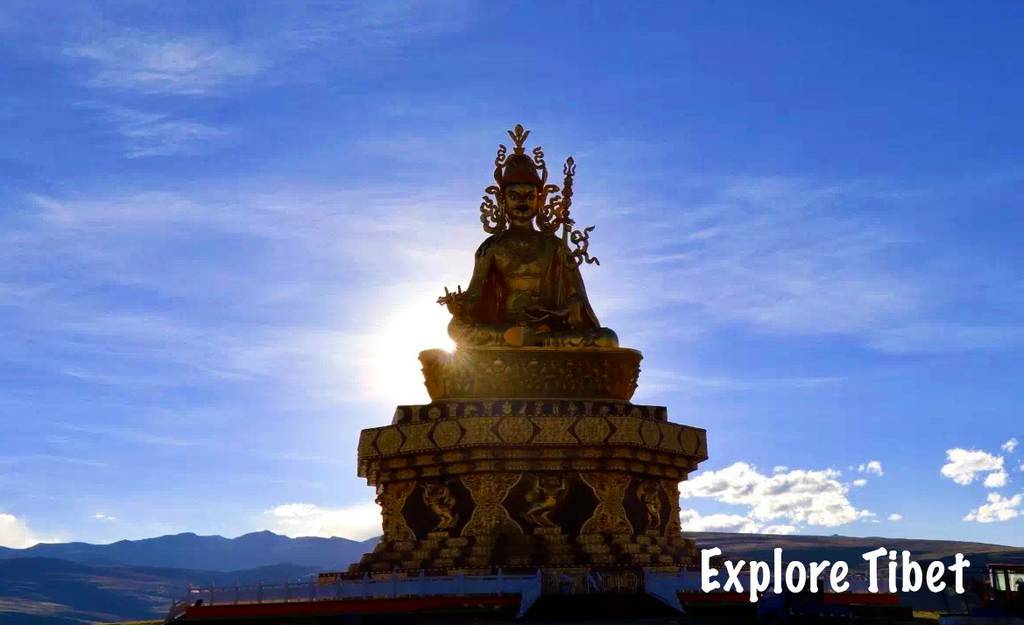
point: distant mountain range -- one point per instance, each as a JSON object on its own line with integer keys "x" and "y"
{"x": 45, "y": 591}
{"x": 210, "y": 553}
{"x": 72, "y": 583}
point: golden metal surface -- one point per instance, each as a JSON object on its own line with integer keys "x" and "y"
{"x": 519, "y": 373}
{"x": 526, "y": 288}
{"x": 529, "y": 454}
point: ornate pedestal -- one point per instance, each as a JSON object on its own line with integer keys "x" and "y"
{"x": 526, "y": 458}
{"x": 531, "y": 372}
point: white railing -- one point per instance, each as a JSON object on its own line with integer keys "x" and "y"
{"x": 527, "y": 586}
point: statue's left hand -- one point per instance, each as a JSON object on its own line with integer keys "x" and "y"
{"x": 537, "y": 314}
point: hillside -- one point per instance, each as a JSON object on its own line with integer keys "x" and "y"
{"x": 46, "y": 591}
{"x": 210, "y": 553}
{"x": 71, "y": 583}
{"x": 848, "y": 548}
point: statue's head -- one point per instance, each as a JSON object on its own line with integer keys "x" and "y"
{"x": 519, "y": 177}
{"x": 520, "y": 189}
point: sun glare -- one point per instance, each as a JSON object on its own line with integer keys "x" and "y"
{"x": 394, "y": 370}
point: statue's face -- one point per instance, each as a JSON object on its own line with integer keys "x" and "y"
{"x": 521, "y": 202}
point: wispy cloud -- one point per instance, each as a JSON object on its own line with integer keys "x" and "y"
{"x": 779, "y": 253}
{"x": 792, "y": 256}
{"x": 283, "y": 233}
{"x": 159, "y": 63}
{"x": 51, "y": 458}
{"x": 156, "y": 134}
{"x": 677, "y": 380}
{"x": 188, "y": 61}
{"x": 936, "y": 337}
{"x": 131, "y": 435}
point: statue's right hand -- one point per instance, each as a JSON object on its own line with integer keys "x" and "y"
{"x": 456, "y": 307}
{"x": 455, "y": 302}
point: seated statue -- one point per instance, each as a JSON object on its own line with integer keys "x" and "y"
{"x": 526, "y": 288}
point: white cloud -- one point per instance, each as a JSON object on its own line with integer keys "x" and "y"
{"x": 895, "y": 516}
{"x": 305, "y": 43}
{"x": 779, "y": 256}
{"x": 1010, "y": 445}
{"x": 930, "y": 337}
{"x": 797, "y": 496}
{"x": 995, "y": 480}
{"x": 871, "y": 467}
{"x": 997, "y": 509}
{"x": 15, "y": 533}
{"x": 162, "y": 64}
{"x": 779, "y": 530}
{"x": 780, "y": 468}
{"x": 963, "y": 466}
{"x": 859, "y": 482}
{"x": 693, "y": 521}
{"x": 99, "y": 516}
{"x": 358, "y": 522}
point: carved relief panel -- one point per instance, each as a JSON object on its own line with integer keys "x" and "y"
{"x": 550, "y": 500}
{"x": 437, "y": 506}
{"x": 648, "y": 506}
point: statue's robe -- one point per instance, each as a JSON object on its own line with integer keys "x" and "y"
{"x": 560, "y": 287}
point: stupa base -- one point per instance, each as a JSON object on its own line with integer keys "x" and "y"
{"x": 618, "y": 557}
{"x": 482, "y": 485}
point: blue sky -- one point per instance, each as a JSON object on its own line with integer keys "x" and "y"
{"x": 223, "y": 228}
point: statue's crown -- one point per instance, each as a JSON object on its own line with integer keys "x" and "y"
{"x": 518, "y": 168}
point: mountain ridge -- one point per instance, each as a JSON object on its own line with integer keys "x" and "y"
{"x": 41, "y": 590}
{"x": 188, "y": 550}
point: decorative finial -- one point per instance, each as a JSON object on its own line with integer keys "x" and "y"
{"x": 519, "y": 135}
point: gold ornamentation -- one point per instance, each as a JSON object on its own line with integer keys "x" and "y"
{"x": 488, "y": 490}
{"x": 669, "y": 437}
{"x": 650, "y": 433}
{"x": 518, "y": 136}
{"x": 529, "y": 453}
{"x": 515, "y": 430}
{"x": 592, "y": 429}
{"x": 627, "y": 431}
{"x": 526, "y": 288}
{"x": 391, "y": 497}
{"x": 438, "y": 497}
{"x": 649, "y": 494}
{"x": 553, "y": 431}
{"x": 672, "y": 528}
{"x": 366, "y": 440}
{"x": 416, "y": 437}
{"x": 546, "y": 373}
{"x": 447, "y": 433}
{"x": 479, "y": 431}
{"x": 610, "y": 515}
{"x": 545, "y": 497}
{"x": 389, "y": 440}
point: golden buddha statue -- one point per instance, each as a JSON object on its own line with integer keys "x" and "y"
{"x": 526, "y": 289}
{"x": 530, "y": 454}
